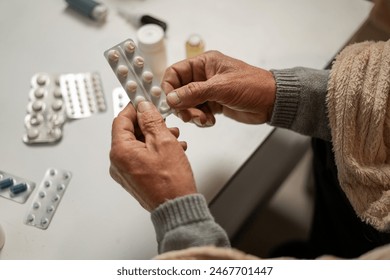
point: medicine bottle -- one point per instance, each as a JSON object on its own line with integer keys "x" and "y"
{"x": 151, "y": 43}
{"x": 194, "y": 46}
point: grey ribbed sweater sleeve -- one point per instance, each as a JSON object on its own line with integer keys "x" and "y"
{"x": 300, "y": 103}
{"x": 186, "y": 222}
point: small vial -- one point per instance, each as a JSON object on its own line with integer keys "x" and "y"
{"x": 90, "y": 8}
{"x": 194, "y": 46}
{"x": 6, "y": 183}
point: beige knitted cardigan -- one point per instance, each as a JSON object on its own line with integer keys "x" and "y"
{"x": 359, "y": 113}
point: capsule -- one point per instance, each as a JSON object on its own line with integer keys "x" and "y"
{"x": 19, "y": 188}
{"x": 6, "y": 183}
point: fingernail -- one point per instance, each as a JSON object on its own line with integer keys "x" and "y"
{"x": 209, "y": 123}
{"x": 197, "y": 121}
{"x": 173, "y": 98}
{"x": 144, "y": 106}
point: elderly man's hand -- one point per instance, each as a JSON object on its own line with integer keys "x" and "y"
{"x": 212, "y": 83}
{"x": 146, "y": 157}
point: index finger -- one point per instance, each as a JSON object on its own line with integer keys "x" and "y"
{"x": 183, "y": 73}
{"x": 123, "y": 126}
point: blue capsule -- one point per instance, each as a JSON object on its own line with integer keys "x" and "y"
{"x": 6, "y": 183}
{"x": 19, "y": 188}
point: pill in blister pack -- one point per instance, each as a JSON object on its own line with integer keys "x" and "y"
{"x": 45, "y": 110}
{"x": 135, "y": 76}
{"x": 15, "y": 188}
{"x": 47, "y": 198}
{"x": 83, "y": 94}
{"x": 119, "y": 100}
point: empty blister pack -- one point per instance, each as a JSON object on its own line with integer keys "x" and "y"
{"x": 15, "y": 188}
{"x": 135, "y": 76}
{"x": 45, "y": 110}
{"x": 83, "y": 94}
{"x": 48, "y": 197}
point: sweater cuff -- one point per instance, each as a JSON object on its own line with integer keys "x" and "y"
{"x": 179, "y": 212}
{"x": 287, "y": 98}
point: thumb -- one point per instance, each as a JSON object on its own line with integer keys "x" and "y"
{"x": 150, "y": 121}
{"x": 190, "y": 95}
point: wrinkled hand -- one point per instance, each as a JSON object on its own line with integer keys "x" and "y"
{"x": 147, "y": 159}
{"x": 213, "y": 83}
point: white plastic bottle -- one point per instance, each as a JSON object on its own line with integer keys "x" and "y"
{"x": 151, "y": 43}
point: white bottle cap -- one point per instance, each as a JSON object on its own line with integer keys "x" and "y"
{"x": 150, "y": 37}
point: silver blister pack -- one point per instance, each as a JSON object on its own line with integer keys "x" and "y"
{"x": 45, "y": 110}
{"x": 83, "y": 94}
{"x": 135, "y": 76}
{"x": 15, "y": 188}
{"x": 47, "y": 198}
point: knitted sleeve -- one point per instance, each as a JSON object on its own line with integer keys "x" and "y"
{"x": 359, "y": 114}
{"x": 186, "y": 222}
{"x": 300, "y": 101}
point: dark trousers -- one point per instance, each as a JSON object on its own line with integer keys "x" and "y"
{"x": 336, "y": 229}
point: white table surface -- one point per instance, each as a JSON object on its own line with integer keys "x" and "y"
{"x": 97, "y": 219}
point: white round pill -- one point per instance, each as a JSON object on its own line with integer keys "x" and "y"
{"x": 36, "y": 120}
{"x": 138, "y": 99}
{"x": 37, "y": 106}
{"x": 39, "y": 92}
{"x": 155, "y": 91}
{"x": 42, "y": 80}
{"x": 122, "y": 71}
{"x": 147, "y": 76}
{"x": 139, "y": 61}
{"x": 57, "y": 105}
{"x": 113, "y": 56}
{"x": 131, "y": 86}
{"x": 57, "y": 93}
{"x": 129, "y": 47}
{"x": 32, "y": 133}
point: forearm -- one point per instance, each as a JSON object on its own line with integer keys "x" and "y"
{"x": 186, "y": 222}
{"x": 300, "y": 103}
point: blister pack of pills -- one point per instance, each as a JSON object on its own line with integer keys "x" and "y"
{"x": 47, "y": 198}
{"x": 55, "y": 99}
{"x": 83, "y": 94}
{"x": 135, "y": 76}
{"x": 15, "y": 188}
{"x": 45, "y": 110}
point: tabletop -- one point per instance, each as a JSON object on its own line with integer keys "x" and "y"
{"x": 97, "y": 219}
